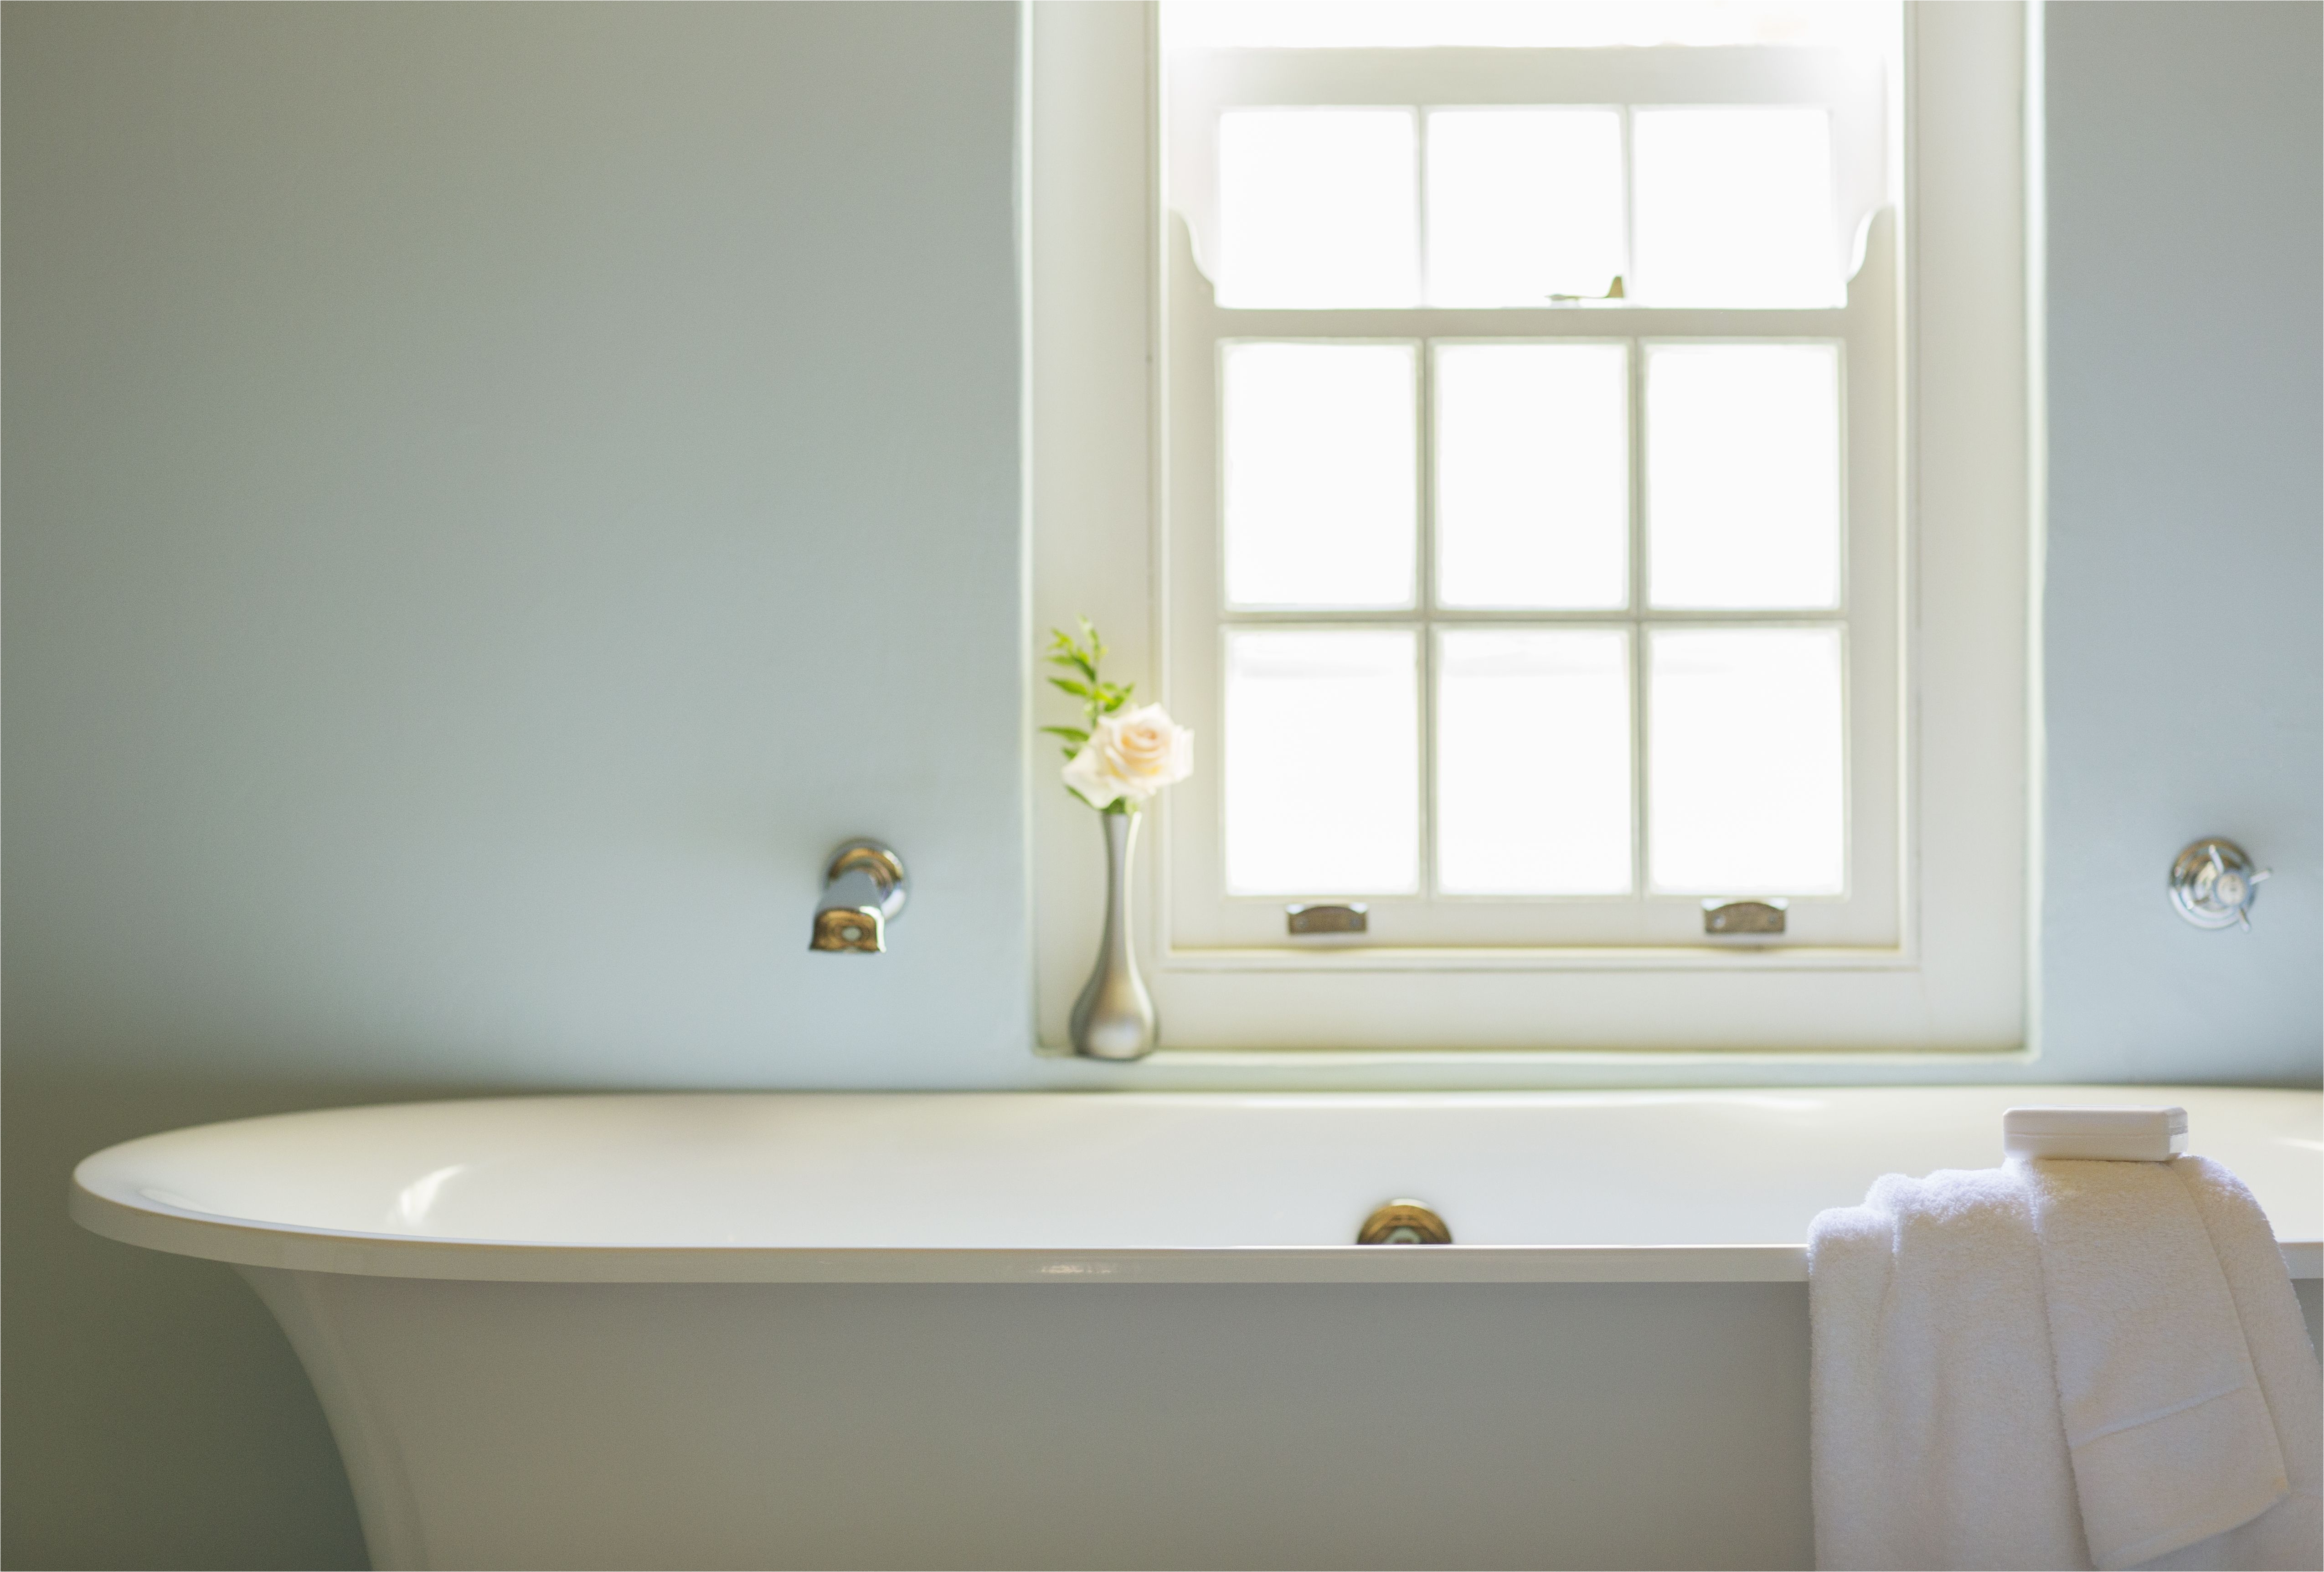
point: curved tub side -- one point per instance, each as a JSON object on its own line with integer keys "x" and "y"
{"x": 367, "y": 1444}
{"x": 898, "y": 1425}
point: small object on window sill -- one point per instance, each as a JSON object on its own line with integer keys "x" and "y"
{"x": 1113, "y": 1018}
{"x": 1352, "y": 918}
{"x": 1743, "y": 916}
{"x": 2213, "y": 884}
{"x": 1116, "y": 760}
{"x": 1614, "y": 292}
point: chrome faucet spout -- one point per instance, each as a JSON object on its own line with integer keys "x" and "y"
{"x": 862, "y": 889}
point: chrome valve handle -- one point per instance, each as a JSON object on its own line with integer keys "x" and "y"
{"x": 2213, "y": 884}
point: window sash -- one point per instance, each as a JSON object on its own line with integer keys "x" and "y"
{"x": 1199, "y": 915}
{"x": 1201, "y": 84}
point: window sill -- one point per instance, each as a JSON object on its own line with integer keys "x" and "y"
{"x": 1739, "y": 956}
{"x": 1646, "y": 1072}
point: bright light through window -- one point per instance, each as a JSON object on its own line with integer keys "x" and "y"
{"x": 1316, "y": 207}
{"x": 1523, "y": 204}
{"x": 1743, "y": 476}
{"x": 1532, "y": 476}
{"x": 1533, "y": 761}
{"x": 1735, "y": 208}
{"x": 1323, "y": 763}
{"x": 1320, "y": 463}
{"x": 1324, "y": 208}
{"x": 1745, "y": 773}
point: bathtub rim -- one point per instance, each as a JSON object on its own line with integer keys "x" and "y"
{"x": 296, "y": 1248}
{"x": 109, "y": 1205}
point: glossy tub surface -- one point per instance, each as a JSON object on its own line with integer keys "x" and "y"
{"x": 1053, "y": 1329}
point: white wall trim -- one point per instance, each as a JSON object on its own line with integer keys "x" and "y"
{"x": 2037, "y": 502}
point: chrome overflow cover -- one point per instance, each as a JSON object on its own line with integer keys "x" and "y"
{"x": 1404, "y": 1222}
{"x": 2213, "y": 884}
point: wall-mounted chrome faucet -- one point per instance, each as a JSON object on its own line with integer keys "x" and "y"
{"x": 2213, "y": 884}
{"x": 862, "y": 891}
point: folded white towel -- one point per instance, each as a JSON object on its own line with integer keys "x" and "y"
{"x": 2290, "y": 1534}
{"x": 2171, "y": 1438}
{"x": 1936, "y": 1440}
{"x": 2036, "y": 1366}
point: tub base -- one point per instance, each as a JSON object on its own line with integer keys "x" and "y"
{"x": 1104, "y": 1425}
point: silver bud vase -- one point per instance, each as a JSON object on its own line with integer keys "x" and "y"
{"x": 1114, "y": 1017}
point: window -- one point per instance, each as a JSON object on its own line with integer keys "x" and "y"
{"x": 1528, "y": 517}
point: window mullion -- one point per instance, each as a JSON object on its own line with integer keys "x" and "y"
{"x": 1424, "y": 504}
{"x": 1638, "y": 651}
{"x": 1424, "y": 516}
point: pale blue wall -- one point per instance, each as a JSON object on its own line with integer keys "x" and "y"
{"x": 493, "y": 494}
{"x": 2186, "y": 544}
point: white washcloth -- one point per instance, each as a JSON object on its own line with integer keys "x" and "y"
{"x": 2117, "y": 1135}
{"x": 2057, "y": 1362}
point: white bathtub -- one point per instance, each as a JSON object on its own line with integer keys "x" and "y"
{"x": 1044, "y": 1329}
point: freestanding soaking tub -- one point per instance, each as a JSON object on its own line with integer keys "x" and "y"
{"x": 1086, "y": 1330}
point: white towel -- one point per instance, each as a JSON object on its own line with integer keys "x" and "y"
{"x": 2038, "y": 1365}
{"x": 1934, "y": 1428}
{"x": 2291, "y": 1532}
{"x": 2171, "y": 1438}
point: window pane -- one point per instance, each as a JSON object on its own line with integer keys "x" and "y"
{"x": 1744, "y": 774}
{"x": 1523, "y": 204}
{"x": 1743, "y": 476}
{"x": 1323, "y": 763}
{"x": 1532, "y": 476}
{"x": 1320, "y": 487}
{"x": 1316, "y": 207}
{"x": 1533, "y": 762}
{"x": 1735, "y": 208}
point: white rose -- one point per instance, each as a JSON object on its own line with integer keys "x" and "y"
{"x": 1132, "y": 755}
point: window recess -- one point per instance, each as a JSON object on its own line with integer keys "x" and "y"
{"x": 1538, "y": 533}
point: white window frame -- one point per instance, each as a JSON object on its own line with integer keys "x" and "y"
{"x": 1950, "y": 977}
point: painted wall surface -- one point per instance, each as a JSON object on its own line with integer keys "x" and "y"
{"x": 2184, "y": 649}
{"x": 493, "y": 494}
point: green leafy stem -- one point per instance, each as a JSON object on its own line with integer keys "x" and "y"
{"x": 1079, "y": 656}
